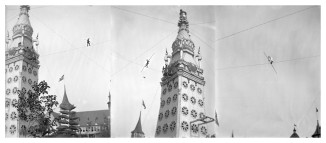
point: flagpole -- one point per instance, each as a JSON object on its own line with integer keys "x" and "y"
{"x": 317, "y": 113}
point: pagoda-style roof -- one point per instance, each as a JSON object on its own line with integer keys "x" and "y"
{"x": 138, "y": 128}
{"x": 317, "y": 131}
{"x": 294, "y": 135}
{"x": 65, "y": 104}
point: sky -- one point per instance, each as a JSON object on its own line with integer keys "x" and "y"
{"x": 251, "y": 101}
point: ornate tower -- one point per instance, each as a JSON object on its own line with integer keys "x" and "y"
{"x": 182, "y": 96}
{"x": 21, "y": 69}
{"x": 138, "y": 131}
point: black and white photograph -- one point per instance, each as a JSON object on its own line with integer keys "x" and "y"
{"x": 162, "y": 71}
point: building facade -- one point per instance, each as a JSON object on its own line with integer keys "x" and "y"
{"x": 90, "y": 124}
{"x": 182, "y": 84}
{"x": 94, "y": 124}
{"x": 22, "y": 67}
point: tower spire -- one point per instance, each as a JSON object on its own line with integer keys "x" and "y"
{"x": 138, "y": 132}
{"x": 23, "y": 29}
{"x": 65, "y": 104}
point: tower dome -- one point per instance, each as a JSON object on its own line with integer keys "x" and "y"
{"x": 183, "y": 40}
{"x": 23, "y": 25}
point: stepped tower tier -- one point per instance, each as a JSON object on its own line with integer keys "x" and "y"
{"x": 182, "y": 84}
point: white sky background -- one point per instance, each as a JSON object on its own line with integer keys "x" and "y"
{"x": 252, "y": 101}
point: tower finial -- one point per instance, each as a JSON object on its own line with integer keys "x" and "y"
{"x": 183, "y": 22}
{"x": 24, "y": 9}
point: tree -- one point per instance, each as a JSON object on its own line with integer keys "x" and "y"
{"x": 34, "y": 110}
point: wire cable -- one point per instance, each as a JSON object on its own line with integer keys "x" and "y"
{"x": 202, "y": 41}
{"x": 112, "y": 75}
{"x": 269, "y": 21}
{"x": 233, "y": 67}
{"x": 143, "y": 15}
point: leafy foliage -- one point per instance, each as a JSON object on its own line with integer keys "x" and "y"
{"x": 35, "y": 109}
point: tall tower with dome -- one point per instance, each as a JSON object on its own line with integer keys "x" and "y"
{"x": 182, "y": 84}
{"x": 21, "y": 69}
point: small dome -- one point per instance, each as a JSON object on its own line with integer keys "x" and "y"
{"x": 294, "y": 135}
{"x": 183, "y": 34}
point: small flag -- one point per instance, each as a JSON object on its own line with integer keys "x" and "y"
{"x": 316, "y": 109}
{"x": 216, "y": 121}
{"x": 61, "y": 78}
{"x": 144, "y": 104}
{"x": 295, "y": 125}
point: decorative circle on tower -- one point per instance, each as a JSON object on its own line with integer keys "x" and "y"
{"x": 176, "y": 85}
{"x": 203, "y": 130}
{"x": 35, "y": 82}
{"x": 14, "y": 102}
{"x": 10, "y": 69}
{"x": 35, "y": 73}
{"x": 194, "y": 128}
{"x": 174, "y": 111}
{"x": 29, "y": 92}
{"x": 194, "y": 113}
{"x": 30, "y": 81}
{"x": 160, "y": 116}
{"x": 13, "y": 115}
{"x": 172, "y": 125}
{"x": 7, "y": 116}
{"x": 170, "y": 87}
{"x": 16, "y": 67}
{"x": 185, "y": 97}
{"x": 199, "y": 90}
{"x": 192, "y": 87}
{"x": 164, "y": 91}
{"x": 158, "y": 130}
{"x": 8, "y": 91}
{"x": 24, "y": 79}
{"x": 165, "y": 128}
{"x": 193, "y": 100}
{"x": 23, "y": 91}
{"x": 175, "y": 97}
{"x": 185, "y": 84}
{"x": 167, "y": 113}
{"x": 162, "y": 103}
{"x": 201, "y": 102}
{"x": 7, "y": 103}
{"x": 24, "y": 68}
{"x": 184, "y": 125}
{"x": 201, "y": 115}
{"x": 168, "y": 101}
{"x": 16, "y": 78}
{"x": 185, "y": 110}
{"x": 9, "y": 80}
{"x": 29, "y": 70}
{"x": 12, "y": 129}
